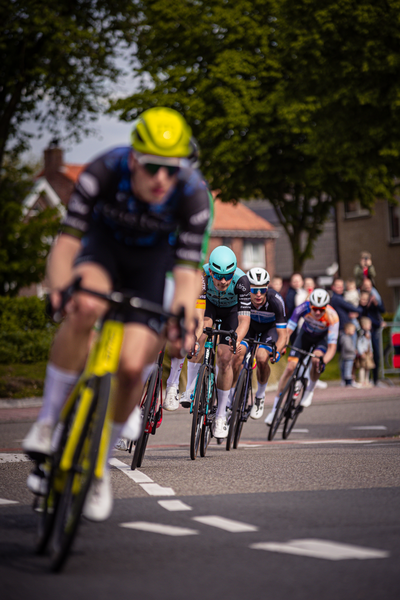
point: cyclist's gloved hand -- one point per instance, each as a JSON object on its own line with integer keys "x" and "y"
{"x": 321, "y": 366}
{"x": 276, "y": 358}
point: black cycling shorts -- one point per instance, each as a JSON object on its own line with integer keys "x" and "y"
{"x": 228, "y": 316}
{"x": 268, "y": 334}
{"x": 306, "y": 342}
{"x": 137, "y": 270}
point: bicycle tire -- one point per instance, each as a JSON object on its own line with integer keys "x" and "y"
{"x": 292, "y": 412}
{"x": 241, "y": 421}
{"x": 206, "y": 434}
{"x": 197, "y": 416}
{"x": 236, "y": 406}
{"x": 147, "y": 402}
{"x": 279, "y": 410}
{"x": 71, "y": 502}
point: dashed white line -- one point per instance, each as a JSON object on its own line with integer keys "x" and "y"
{"x": 366, "y": 427}
{"x": 337, "y": 442}
{"x": 4, "y": 457}
{"x": 160, "y": 528}
{"x": 321, "y": 549}
{"x": 151, "y": 488}
{"x": 3, "y": 501}
{"x": 300, "y": 431}
{"x": 174, "y": 505}
{"x": 225, "y": 524}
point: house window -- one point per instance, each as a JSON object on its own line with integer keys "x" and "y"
{"x": 394, "y": 223}
{"x": 354, "y": 209}
{"x": 253, "y": 255}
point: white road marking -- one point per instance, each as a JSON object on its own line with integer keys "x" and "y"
{"x": 250, "y": 446}
{"x": 174, "y": 505}
{"x": 13, "y": 458}
{"x": 225, "y": 524}
{"x": 3, "y": 501}
{"x": 321, "y": 549}
{"x": 377, "y": 427}
{"x": 338, "y": 442}
{"x": 136, "y": 476}
{"x": 300, "y": 431}
{"x": 153, "y": 489}
{"x": 160, "y": 528}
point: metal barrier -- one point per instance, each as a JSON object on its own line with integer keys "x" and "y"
{"x": 387, "y": 352}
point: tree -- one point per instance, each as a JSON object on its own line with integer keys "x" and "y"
{"x": 24, "y": 243}
{"x": 56, "y": 61}
{"x": 296, "y": 101}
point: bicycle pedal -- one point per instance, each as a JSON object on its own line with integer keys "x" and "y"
{"x": 186, "y": 404}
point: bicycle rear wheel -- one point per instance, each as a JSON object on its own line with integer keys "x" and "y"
{"x": 200, "y": 396}
{"x": 280, "y": 409}
{"x": 236, "y": 409}
{"x": 77, "y": 480}
{"x": 243, "y": 415}
{"x": 208, "y": 421}
{"x": 293, "y": 410}
{"x": 148, "y": 403}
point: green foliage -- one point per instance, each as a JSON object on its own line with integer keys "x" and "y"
{"x": 22, "y": 380}
{"x": 26, "y": 333}
{"x": 56, "y": 62}
{"x": 24, "y": 243}
{"x": 296, "y": 101}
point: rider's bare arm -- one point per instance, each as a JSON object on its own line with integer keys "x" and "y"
{"x": 60, "y": 262}
{"x": 282, "y": 340}
{"x": 330, "y": 353}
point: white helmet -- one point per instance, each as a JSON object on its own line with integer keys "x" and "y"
{"x": 319, "y": 298}
{"x": 258, "y": 277}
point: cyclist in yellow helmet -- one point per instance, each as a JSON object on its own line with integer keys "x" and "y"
{"x": 136, "y": 212}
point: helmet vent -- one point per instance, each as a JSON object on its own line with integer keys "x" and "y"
{"x": 230, "y": 266}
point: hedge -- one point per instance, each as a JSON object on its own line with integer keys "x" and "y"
{"x": 26, "y": 332}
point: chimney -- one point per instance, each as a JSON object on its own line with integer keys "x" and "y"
{"x": 53, "y": 159}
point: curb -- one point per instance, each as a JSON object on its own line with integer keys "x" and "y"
{"x": 21, "y": 403}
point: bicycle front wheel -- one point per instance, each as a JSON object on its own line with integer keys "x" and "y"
{"x": 208, "y": 421}
{"x": 236, "y": 409}
{"x": 280, "y": 408}
{"x": 293, "y": 410}
{"x": 76, "y": 481}
{"x": 200, "y": 396}
{"x": 147, "y": 405}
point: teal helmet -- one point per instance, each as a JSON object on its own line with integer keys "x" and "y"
{"x": 222, "y": 260}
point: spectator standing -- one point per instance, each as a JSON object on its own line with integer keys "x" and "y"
{"x": 347, "y": 354}
{"x": 364, "y": 269}
{"x": 364, "y": 360}
{"x": 345, "y": 310}
{"x": 373, "y": 309}
{"x": 276, "y": 283}
{"x": 296, "y": 284}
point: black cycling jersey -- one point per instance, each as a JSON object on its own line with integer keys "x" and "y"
{"x": 237, "y": 294}
{"x": 271, "y": 314}
{"x": 103, "y": 196}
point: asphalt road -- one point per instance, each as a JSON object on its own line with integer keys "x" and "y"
{"x": 317, "y": 516}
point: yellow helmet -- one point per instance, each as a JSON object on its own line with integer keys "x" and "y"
{"x": 162, "y": 131}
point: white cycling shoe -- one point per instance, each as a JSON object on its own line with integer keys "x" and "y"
{"x": 258, "y": 408}
{"x": 270, "y": 417}
{"x": 171, "y": 401}
{"x": 307, "y": 399}
{"x": 132, "y": 429}
{"x": 38, "y": 440}
{"x": 99, "y": 501}
{"x": 186, "y": 398}
{"x": 220, "y": 429}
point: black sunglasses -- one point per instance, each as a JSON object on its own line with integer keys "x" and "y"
{"x": 153, "y": 168}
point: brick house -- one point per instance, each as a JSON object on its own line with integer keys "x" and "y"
{"x": 250, "y": 236}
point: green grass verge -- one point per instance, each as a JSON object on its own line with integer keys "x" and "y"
{"x": 22, "y": 380}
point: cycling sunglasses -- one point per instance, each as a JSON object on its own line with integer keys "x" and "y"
{"x": 219, "y": 276}
{"x": 263, "y": 290}
{"x": 152, "y": 164}
{"x": 318, "y": 308}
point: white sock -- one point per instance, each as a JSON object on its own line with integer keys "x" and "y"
{"x": 147, "y": 372}
{"x": 261, "y": 389}
{"x": 174, "y": 374}
{"x": 115, "y": 434}
{"x": 230, "y": 399}
{"x": 223, "y": 397}
{"x": 57, "y": 387}
{"x": 275, "y": 402}
{"x": 192, "y": 371}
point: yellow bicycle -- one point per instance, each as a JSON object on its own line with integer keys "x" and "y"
{"x": 81, "y": 438}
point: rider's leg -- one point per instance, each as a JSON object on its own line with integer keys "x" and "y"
{"x": 314, "y": 376}
{"x": 263, "y": 373}
{"x": 225, "y": 377}
{"x": 194, "y": 364}
{"x": 68, "y": 355}
{"x": 290, "y": 367}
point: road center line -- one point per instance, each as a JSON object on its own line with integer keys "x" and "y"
{"x": 151, "y": 488}
{"x": 225, "y": 524}
{"x": 174, "y": 505}
{"x": 366, "y": 427}
{"x": 160, "y": 528}
{"x": 321, "y": 549}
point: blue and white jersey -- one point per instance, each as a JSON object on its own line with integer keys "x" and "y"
{"x": 272, "y": 313}
{"x": 238, "y": 292}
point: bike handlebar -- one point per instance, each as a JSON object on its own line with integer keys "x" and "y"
{"x": 210, "y": 331}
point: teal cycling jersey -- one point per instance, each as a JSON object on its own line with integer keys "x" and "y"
{"x": 238, "y": 292}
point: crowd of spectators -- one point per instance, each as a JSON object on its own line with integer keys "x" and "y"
{"x": 360, "y": 308}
